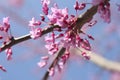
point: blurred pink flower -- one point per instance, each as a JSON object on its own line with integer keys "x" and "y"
{"x": 9, "y": 53}
{"x": 42, "y": 64}
{"x": 6, "y": 24}
{"x": 104, "y": 11}
{"x": 79, "y": 6}
{"x": 2, "y": 68}
{"x": 45, "y": 4}
{"x": 36, "y": 33}
{"x": 58, "y": 16}
{"x": 51, "y": 71}
{"x": 33, "y": 23}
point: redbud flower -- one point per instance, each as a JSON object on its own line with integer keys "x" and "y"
{"x": 6, "y": 24}
{"x": 36, "y": 33}
{"x": 79, "y": 6}
{"x": 45, "y": 58}
{"x": 52, "y": 48}
{"x": 42, "y": 17}
{"x": 104, "y": 11}
{"x": 9, "y": 53}
{"x": 85, "y": 55}
{"x": 51, "y": 71}
{"x": 2, "y": 68}
{"x": 85, "y": 44}
{"x": 58, "y": 16}
{"x": 43, "y": 61}
{"x": 45, "y": 4}
{"x": 42, "y": 64}
{"x": 33, "y": 23}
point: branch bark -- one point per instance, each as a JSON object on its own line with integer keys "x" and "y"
{"x": 100, "y": 61}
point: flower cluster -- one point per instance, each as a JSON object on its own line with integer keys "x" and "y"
{"x": 104, "y": 11}
{"x": 45, "y": 4}
{"x": 35, "y": 32}
{"x": 79, "y": 6}
{"x": 58, "y": 16}
{"x": 6, "y": 25}
{"x": 6, "y": 38}
{"x": 66, "y": 35}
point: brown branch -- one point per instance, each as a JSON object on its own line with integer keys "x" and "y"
{"x": 100, "y": 61}
{"x": 15, "y": 41}
{"x": 60, "y": 53}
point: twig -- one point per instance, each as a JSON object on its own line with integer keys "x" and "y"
{"x": 60, "y": 53}
{"x": 15, "y": 41}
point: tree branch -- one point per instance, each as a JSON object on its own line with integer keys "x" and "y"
{"x": 15, "y": 41}
{"x": 53, "y": 64}
{"x": 100, "y": 61}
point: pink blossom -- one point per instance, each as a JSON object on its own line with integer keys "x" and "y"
{"x": 78, "y": 41}
{"x": 6, "y": 20}
{"x": 76, "y": 6}
{"x": 59, "y": 35}
{"x": 51, "y": 45}
{"x": 48, "y": 39}
{"x": 45, "y": 58}
{"x": 2, "y": 68}
{"x": 52, "y": 48}
{"x": 6, "y": 24}
{"x": 104, "y": 11}
{"x": 42, "y": 64}
{"x": 36, "y": 33}
{"x": 58, "y": 16}
{"x": 85, "y": 55}
{"x": 43, "y": 61}
{"x": 42, "y": 17}
{"x": 85, "y": 44}
{"x": 51, "y": 71}
{"x": 79, "y": 6}
{"x": 45, "y": 9}
{"x": 33, "y": 23}
{"x": 45, "y": 4}
{"x": 9, "y": 53}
